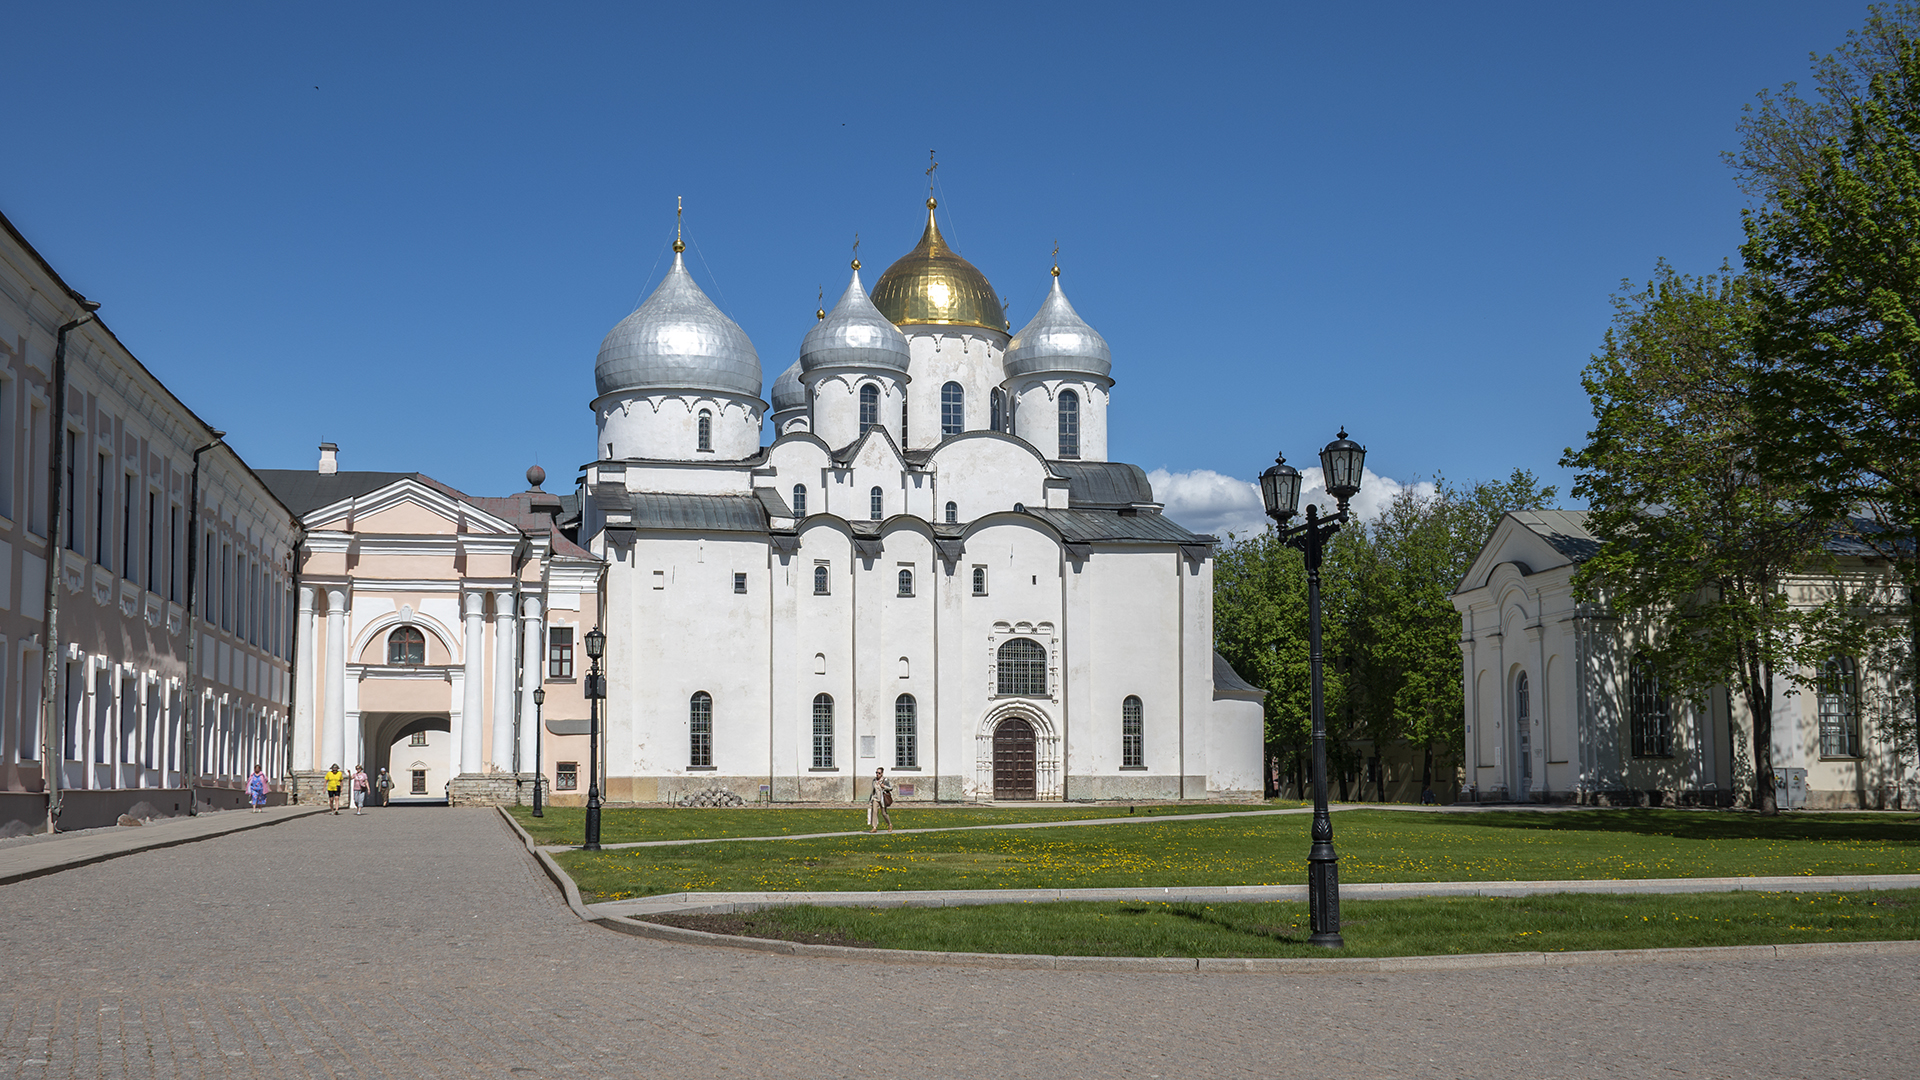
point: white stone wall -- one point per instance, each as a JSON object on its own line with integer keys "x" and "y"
{"x": 1037, "y": 412}
{"x": 666, "y": 426}
{"x": 968, "y": 355}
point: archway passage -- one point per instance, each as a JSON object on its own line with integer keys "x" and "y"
{"x": 1013, "y": 760}
{"x": 417, "y": 752}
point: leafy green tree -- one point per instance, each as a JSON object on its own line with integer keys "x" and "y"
{"x": 1697, "y": 543}
{"x": 1836, "y": 266}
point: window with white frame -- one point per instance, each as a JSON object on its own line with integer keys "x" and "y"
{"x": 1649, "y": 720}
{"x": 823, "y": 731}
{"x": 1069, "y": 424}
{"x": 876, "y": 504}
{"x": 906, "y": 582}
{"x": 1021, "y": 667}
{"x": 1839, "y": 697}
{"x": 406, "y": 646}
{"x": 979, "y": 581}
{"x": 706, "y": 431}
{"x": 869, "y": 407}
{"x": 559, "y": 652}
{"x": 820, "y": 579}
{"x": 953, "y": 512}
{"x": 1133, "y": 742}
{"x": 739, "y": 582}
{"x": 566, "y": 775}
{"x": 953, "y": 409}
{"x": 700, "y": 731}
{"x": 799, "y": 500}
{"x": 906, "y": 732}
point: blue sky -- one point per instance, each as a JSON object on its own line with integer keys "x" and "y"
{"x": 405, "y": 228}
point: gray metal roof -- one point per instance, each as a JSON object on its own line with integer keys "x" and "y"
{"x": 677, "y": 340}
{"x": 1110, "y": 484}
{"x": 771, "y": 501}
{"x": 1565, "y": 530}
{"x": 304, "y": 490}
{"x": 854, "y": 334}
{"x": 1227, "y": 681}
{"x": 788, "y": 392}
{"x": 1058, "y": 339}
{"x": 698, "y": 513}
{"x": 1097, "y": 526}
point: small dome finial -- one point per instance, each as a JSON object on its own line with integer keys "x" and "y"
{"x": 856, "y": 251}
{"x": 1056, "y": 258}
{"x": 679, "y": 209}
{"x": 932, "y": 202}
{"x": 535, "y": 477}
{"x": 821, "y": 311}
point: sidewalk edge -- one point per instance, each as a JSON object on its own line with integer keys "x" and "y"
{"x": 89, "y": 860}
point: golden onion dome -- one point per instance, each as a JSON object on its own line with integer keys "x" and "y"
{"x": 933, "y": 284}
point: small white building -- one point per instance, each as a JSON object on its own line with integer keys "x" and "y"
{"x": 932, "y": 569}
{"x": 1559, "y": 709}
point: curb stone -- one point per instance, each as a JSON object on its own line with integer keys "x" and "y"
{"x": 295, "y": 813}
{"x": 1274, "y": 965}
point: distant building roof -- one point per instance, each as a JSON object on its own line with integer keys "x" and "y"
{"x": 1093, "y": 526}
{"x": 1108, "y": 484}
{"x": 1565, "y": 530}
{"x": 304, "y": 490}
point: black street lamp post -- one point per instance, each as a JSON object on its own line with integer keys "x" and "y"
{"x": 1340, "y": 464}
{"x": 596, "y": 691}
{"x": 539, "y": 772}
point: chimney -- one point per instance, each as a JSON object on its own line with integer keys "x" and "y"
{"x": 329, "y": 459}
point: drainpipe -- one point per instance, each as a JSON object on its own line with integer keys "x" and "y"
{"x": 190, "y": 731}
{"x": 53, "y": 731}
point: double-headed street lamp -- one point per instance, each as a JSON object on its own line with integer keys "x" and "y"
{"x": 539, "y": 771}
{"x": 1340, "y": 466}
{"x": 596, "y": 688}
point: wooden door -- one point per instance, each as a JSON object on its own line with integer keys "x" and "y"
{"x": 1013, "y": 760}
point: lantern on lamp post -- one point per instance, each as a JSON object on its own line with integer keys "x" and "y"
{"x": 596, "y": 688}
{"x": 539, "y": 771}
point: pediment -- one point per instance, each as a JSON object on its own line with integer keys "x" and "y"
{"x": 408, "y": 507}
{"x": 1511, "y": 543}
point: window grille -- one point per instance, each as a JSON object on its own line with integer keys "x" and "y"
{"x": 869, "y": 407}
{"x": 823, "y": 731}
{"x": 799, "y": 500}
{"x": 560, "y": 652}
{"x": 953, "y": 409}
{"x": 906, "y": 583}
{"x": 419, "y": 782}
{"x": 1022, "y": 668}
{"x": 407, "y": 645}
{"x": 876, "y": 504}
{"x": 419, "y": 738}
{"x": 566, "y": 775}
{"x": 953, "y": 513}
{"x": 820, "y": 580}
{"x": 979, "y": 581}
{"x": 1133, "y": 751}
{"x": 1839, "y": 711}
{"x": 739, "y": 583}
{"x": 706, "y": 430}
{"x": 1069, "y": 424}
{"x": 997, "y": 408}
{"x": 906, "y": 733}
{"x": 1647, "y": 712}
{"x": 700, "y": 731}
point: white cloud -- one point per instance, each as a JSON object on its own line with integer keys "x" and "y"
{"x": 1210, "y": 502}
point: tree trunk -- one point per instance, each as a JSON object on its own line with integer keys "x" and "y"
{"x": 1759, "y": 695}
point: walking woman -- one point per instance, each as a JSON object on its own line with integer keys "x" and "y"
{"x": 257, "y": 788}
{"x": 878, "y": 800}
{"x": 359, "y": 790}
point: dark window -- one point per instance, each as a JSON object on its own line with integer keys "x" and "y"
{"x": 906, "y": 733}
{"x": 1069, "y": 424}
{"x": 979, "y": 581}
{"x": 127, "y": 561}
{"x": 903, "y": 418}
{"x": 739, "y": 582}
{"x": 799, "y": 500}
{"x": 1133, "y": 749}
{"x": 953, "y": 513}
{"x": 706, "y": 430}
{"x": 700, "y": 731}
{"x": 153, "y": 545}
{"x": 820, "y": 580}
{"x": 560, "y": 652}
{"x": 419, "y": 782}
{"x": 102, "y": 531}
{"x": 953, "y": 409}
{"x": 997, "y": 409}
{"x": 876, "y": 504}
{"x": 906, "y": 583}
{"x": 407, "y": 645}
{"x": 823, "y": 731}
{"x": 73, "y": 491}
{"x": 176, "y": 553}
{"x": 419, "y": 739}
{"x": 226, "y": 586}
{"x": 869, "y": 407}
{"x": 1022, "y": 667}
{"x": 566, "y": 775}
{"x": 1648, "y": 717}
{"x": 1839, "y": 708}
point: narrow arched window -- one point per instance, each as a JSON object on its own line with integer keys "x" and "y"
{"x": 979, "y": 581}
{"x": 953, "y": 513}
{"x": 407, "y": 645}
{"x": 1022, "y": 667}
{"x": 953, "y": 409}
{"x": 706, "y": 430}
{"x": 906, "y": 733}
{"x": 997, "y": 410}
{"x": 820, "y": 580}
{"x": 903, "y": 418}
{"x": 1648, "y": 719}
{"x": 876, "y": 504}
{"x": 823, "y": 731}
{"x": 906, "y": 583}
{"x": 799, "y": 500}
{"x": 700, "y": 731}
{"x": 1133, "y": 735}
{"x": 1839, "y": 708}
{"x": 869, "y": 407}
{"x": 1069, "y": 424}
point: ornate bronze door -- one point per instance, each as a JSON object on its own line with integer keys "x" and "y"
{"x": 1013, "y": 760}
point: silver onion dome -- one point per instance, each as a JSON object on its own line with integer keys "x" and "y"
{"x": 1058, "y": 339}
{"x": 677, "y": 340}
{"x": 854, "y": 334}
{"x": 788, "y": 391}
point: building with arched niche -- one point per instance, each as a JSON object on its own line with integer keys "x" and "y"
{"x": 933, "y": 568}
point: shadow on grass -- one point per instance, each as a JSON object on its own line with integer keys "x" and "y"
{"x": 1703, "y": 824}
{"x": 1209, "y": 917}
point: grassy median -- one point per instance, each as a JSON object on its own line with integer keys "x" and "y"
{"x": 1563, "y": 922}
{"x": 1374, "y": 845}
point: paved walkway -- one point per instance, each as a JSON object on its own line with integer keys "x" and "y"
{"x": 46, "y": 853}
{"x": 424, "y": 943}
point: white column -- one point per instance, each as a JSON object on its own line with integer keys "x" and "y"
{"x": 304, "y": 686}
{"x": 333, "y": 731}
{"x": 530, "y": 638}
{"x": 503, "y": 673}
{"x": 472, "y": 700}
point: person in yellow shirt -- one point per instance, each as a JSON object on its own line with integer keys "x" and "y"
{"x": 335, "y": 779}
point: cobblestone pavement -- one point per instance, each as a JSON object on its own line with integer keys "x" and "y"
{"x": 424, "y": 943}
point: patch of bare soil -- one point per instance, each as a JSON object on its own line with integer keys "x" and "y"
{"x": 759, "y": 924}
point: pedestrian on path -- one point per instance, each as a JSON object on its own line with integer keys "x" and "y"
{"x": 878, "y": 800}
{"x": 257, "y": 788}
{"x": 359, "y": 789}
{"x": 385, "y": 786}
{"x": 335, "y": 778}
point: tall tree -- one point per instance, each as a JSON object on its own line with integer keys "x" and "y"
{"x": 1697, "y": 544}
{"x": 1837, "y": 290}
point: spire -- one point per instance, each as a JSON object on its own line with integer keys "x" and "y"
{"x": 679, "y": 209}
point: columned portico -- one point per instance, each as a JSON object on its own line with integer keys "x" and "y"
{"x": 303, "y": 695}
{"x": 473, "y": 699}
{"x": 333, "y": 732}
{"x": 530, "y": 637}
{"x": 503, "y": 678}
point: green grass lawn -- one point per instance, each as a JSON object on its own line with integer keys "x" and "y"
{"x": 567, "y": 824}
{"x": 1374, "y": 845}
{"x": 1417, "y": 927}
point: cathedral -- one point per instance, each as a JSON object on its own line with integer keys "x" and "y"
{"x": 932, "y": 569}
